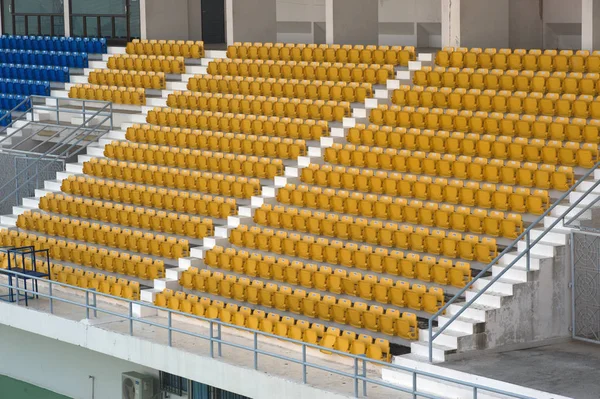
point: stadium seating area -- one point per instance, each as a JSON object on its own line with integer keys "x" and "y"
{"x": 359, "y": 247}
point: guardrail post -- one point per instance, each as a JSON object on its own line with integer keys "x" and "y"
{"x": 51, "y": 297}
{"x": 95, "y": 303}
{"x": 17, "y": 289}
{"x": 212, "y": 349}
{"x": 356, "y": 377}
{"x": 219, "y": 343}
{"x": 111, "y": 116}
{"x": 255, "y": 351}
{"x": 430, "y": 340}
{"x": 131, "y": 319}
{"x": 474, "y": 392}
{"x": 414, "y": 385}
{"x": 83, "y": 111}
{"x": 170, "y": 331}
{"x": 57, "y": 111}
{"x": 304, "y": 376}
{"x": 365, "y": 376}
{"x": 87, "y": 305}
{"x": 528, "y": 251}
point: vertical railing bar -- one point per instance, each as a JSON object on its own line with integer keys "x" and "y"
{"x": 131, "y": 319}
{"x": 356, "y": 377}
{"x": 50, "y": 293}
{"x": 95, "y": 303}
{"x": 219, "y": 343}
{"x": 255, "y": 351}
{"x": 414, "y": 384}
{"x": 212, "y": 349}
{"x": 304, "y": 376}
{"x": 364, "y": 370}
{"x": 87, "y": 305}
{"x": 528, "y": 251}
{"x": 170, "y": 328}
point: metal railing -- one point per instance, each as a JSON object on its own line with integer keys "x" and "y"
{"x": 359, "y": 374}
{"x": 526, "y": 234}
{"x": 75, "y": 141}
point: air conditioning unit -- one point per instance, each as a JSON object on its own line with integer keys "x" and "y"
{"x": 137, "y": 386}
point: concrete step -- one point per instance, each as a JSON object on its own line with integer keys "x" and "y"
{"x": 422, "y": 349}
{"x": 195, "y": 70}
{"x": 449, "y": 338}
{"x": 489, "y": 298}
{"x": 215, "y": 54}
{"x": 535, "y": 260}
{"x": 503, "y": 285}
{"x": 462, "y": 323}
{"x": 515, "y": 273}
{"x": 541, "y": 248}
{"x": 473, "y": 312}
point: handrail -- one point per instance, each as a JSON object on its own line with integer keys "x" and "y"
{"x": 55, "y": 157}
{"x": 357, "y": 375}
{"x": 525, "y": 234}
{"x": 581, "y": 212}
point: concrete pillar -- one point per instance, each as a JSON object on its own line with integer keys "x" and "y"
{"x": 352, "y": 21}
{"x": 67, "y": 17}
{"x": 590, "y": 24}
{"x": 251, "y": 21}
{"x": 475, "y": 23}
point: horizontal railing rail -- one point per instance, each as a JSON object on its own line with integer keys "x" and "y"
{"x": 526, "y": 234}
{"x": 360, "y": 362}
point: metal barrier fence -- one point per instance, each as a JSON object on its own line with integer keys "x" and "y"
{"x": 358, "y": 376}
{"x": 526, "y": 234}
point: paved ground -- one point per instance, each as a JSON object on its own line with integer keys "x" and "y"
{"x": 569, "y": 369}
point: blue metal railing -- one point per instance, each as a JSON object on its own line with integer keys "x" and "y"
{"x": 526, "y": 234}
{"x": 358, "y": 375}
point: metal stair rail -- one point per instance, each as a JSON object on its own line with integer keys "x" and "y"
{"x": 526, "y": 234}
{"x": 69, "y": 146}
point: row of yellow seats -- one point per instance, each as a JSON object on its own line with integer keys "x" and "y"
{"x": 261, "y": 146}
{"x": 264, "y": 168}
{"x": 275, "y": 147}
{"x": 114, "y": 94}
{"x": 397, "y": 209}
{"x": 311, "y": 304}
{"x": 288, "y": 327}
{"x": 205, "y": 182}
{"x": 170, "y": 64}
{"x": 302, "y": 89}
{"x": 448, "y": 165}
{"x": 108, "y": 212}
{"x": 96, "y": 281}
{"x": 500, "y": 197}
{"x": 179, "y": 48}
{"x": 125, "y": 239}
{"x": 305, "y": 129}
{"x": 360, "y": 73}
{"x": 81, "y": 254}
{"x": 345, "y": 253}
{"x": 475, "y": 144}
{"x": 527, "y": 81}
{"x": 324, "y": 278}
{"x": 114, "y": 77}
{"x": 390, "y": 234}
{"x": 519, "y": 60}
{"x": 272, "y": 106}
{"x": 394, "y": 55}
{"x": 170, "y": 200}
{"x": 551, "y": 104}
{"x": 370, "y": 288}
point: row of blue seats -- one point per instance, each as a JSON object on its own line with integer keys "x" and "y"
{"x": 5, "y": 118}
{"x": 35, "y": 72}
{"x": 11, "y": 101}
{"x": 34, "y": 57}
{"x": 24, "y": 87}
{"x": 54, "y": 43}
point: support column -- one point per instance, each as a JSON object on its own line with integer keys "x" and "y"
{"x": 67, "y": 17}
{"x": 352, "y": 22}
{"x": 475, "y": 23}
{"x": 590, "y": 24}
{"x": 251, "y": 21}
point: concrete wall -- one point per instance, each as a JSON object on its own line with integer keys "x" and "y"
{"x": 147, "y": 354}
{"x": 251, "y": 20}
{"x": 164, "y": 19}
{"x": 195, "y": 19}
{"x": 484, "y": 23}
{"x": 525, "y": 24}
{"x": 538, "y": 313}
{"x": 61, "y": 367}
{"x": 352, "y": 21}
